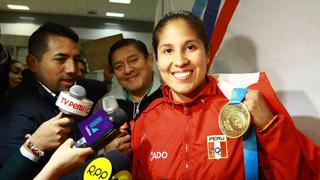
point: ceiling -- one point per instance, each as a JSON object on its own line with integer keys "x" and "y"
{"x": 139, "y": 15}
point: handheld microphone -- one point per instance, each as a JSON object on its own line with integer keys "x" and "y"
{"x": 112, "y": 165}
{"x": 122, "y": 175}
{"x": 74, "y": 101}
{"x": 102, "y": 127}
{"x": 109, "y": 105}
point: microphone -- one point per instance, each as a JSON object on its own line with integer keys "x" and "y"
{"x": 122, "y": 175}
{"x": 112, "y": 165}
{"x": 109, "y": 104}
{"x": 74, "y": 102}
{"x": 111, "y": 107}
{"x": 103, "y": 126}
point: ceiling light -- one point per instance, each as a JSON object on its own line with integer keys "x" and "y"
{"x": 111, "y": 24}
{"x": 29, "y": 18}
{"x": 120, "y": 1}
{"x": 113, "y": 14}
{"x": 18, "y": 7}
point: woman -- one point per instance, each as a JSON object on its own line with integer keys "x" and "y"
{"x": 15, "y": 73}
{"x": 176, "y": 136}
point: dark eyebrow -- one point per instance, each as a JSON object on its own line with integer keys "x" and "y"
{"x": 16, "y": 69}
{"x": 118, "y": 62}
{"x": 164, "y": 45}
{"x": 61, "y": 54}
{"x": 193, "y": 41}
{"x": 133, "y": 55}
{"x": 65, "y": 55}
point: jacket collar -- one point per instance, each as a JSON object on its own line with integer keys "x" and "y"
{"x": 29, "y": 79}
{"x": 119, "y": 93}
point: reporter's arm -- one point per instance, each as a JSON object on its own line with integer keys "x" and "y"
{"x": 64, "y": 160}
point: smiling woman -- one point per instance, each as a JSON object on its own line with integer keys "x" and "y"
{"x": 178, "y": 136}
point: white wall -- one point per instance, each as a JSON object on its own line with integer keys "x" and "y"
{"x": 281, "y": 38}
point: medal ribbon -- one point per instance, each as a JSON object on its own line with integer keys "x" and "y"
{"x": 198, "y": 7}
{"x": 250, "y": 153}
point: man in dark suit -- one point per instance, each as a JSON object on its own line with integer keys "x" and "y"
{"x": 52, "y": 60}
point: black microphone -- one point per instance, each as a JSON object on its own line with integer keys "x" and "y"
{"x": 74, "y": 102}
{"x": 108, "y": 166}
{"x": 103, "y": 126}
{"x": 111, "y": 165}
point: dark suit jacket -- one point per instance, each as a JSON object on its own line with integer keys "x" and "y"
{"x": 19, "y": 167}
{"x": 27, "y": 107}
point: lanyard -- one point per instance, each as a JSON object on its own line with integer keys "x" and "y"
{"x": 250, "y": 153}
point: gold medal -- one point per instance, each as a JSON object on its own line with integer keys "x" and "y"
{"x": 234, "y": 120}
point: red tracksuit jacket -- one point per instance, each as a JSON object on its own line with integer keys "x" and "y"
{"x": 174, "y": 140}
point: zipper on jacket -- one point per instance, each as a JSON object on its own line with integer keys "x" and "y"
{"x": 185, "y": 110}
{"x": 186, "y": 155}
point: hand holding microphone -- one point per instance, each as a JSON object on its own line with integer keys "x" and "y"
{"x": 121, "y": 143}
{"x": 53, "y": 132}
{"x": 64, "y": 160}
{"x": 103, "y": 126}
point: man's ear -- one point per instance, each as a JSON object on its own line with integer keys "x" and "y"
{"x": 150, "y": 59}
{"x": 31, "y": 62}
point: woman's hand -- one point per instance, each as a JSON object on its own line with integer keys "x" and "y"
{"x": 259, "y": 110}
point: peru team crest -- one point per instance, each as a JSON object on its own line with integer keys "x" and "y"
{"x": 217, "y": 146}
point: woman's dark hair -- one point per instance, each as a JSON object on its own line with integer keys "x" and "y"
{"x": 194, "y": 22}
{"x": 125, "y": 42}
{"x": 37, "y": 44}
{"x": 12, "y": 62}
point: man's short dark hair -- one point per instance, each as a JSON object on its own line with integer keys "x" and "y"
{"x": 125, "y": 42}
{"x": 37, "y": 44}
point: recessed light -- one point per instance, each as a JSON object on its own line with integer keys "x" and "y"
{"x": 111, "y": 24}
{"x": 29, "y": 18}
{"x": 120, "y": 1}
{"x": 113, "y": 14}
{"x": 18, "y": 7}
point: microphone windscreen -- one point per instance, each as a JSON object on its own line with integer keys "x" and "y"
{"x": 122, "y": 175}
{"x": 109, "y": 104}
{"x": 77, "y": 92}
{"x": 119, "y": 161}
{"x": 119, "y": 117}
{"x": 73, "y": 102}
